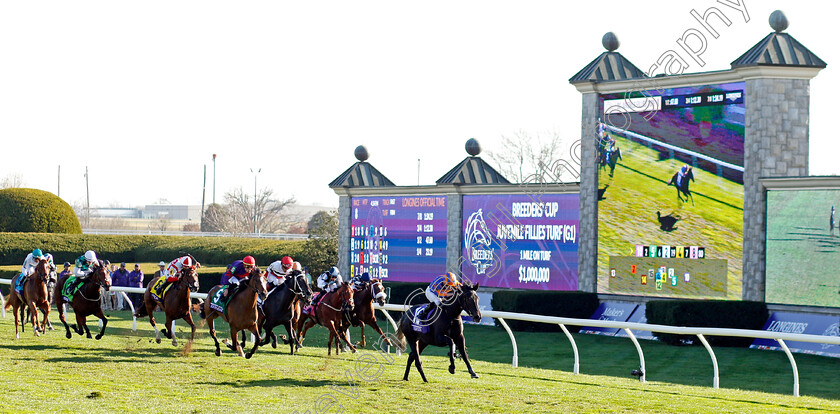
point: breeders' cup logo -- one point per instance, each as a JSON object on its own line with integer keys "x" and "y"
{"x": 832, "y": 330}
{"x": 477, "y": 241}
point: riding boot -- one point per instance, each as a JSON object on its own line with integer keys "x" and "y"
{"x": 424, "y": 315}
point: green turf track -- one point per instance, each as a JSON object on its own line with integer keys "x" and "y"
{"x": 627, "y": 215}
{"x": 127, "y": 372}
{"x": 802, "y": 255}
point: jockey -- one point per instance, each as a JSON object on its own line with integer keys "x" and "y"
{"x": 441, "y": 289}
{"x": 359, "y": 281}
{"x": 683, "y": 172}
{"x": 172, "y": 272}
{"x": 32, "y": 260}
{"x": 84, "y": 266}
{"x": 278, "y": 270}
{"x": 327, "y": 282}
{"x": 237, "y": 272}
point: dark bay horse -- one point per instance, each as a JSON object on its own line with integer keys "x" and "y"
{"x": 86, "y": 301}
{"x": 610, "y": 158}
{"x": 683, "y": 185}
{"x": 364, "y": 314}
{"x": 280, "y": 309}
{"x": 241, "y": 312}
{"x": 330, "y": 313}
{"x": 446, "y": 329}
{"x": 175, "y": 304}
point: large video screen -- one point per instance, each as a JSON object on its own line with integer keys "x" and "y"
{"x": 670, "y": 189}
{"x": 398, "y": 238}
{"x": 802, "y": 248}
{"x": 521, "y": 241}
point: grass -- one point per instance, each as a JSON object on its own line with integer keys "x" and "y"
{"x": 638, "y": 190}
{"x": 800, "y": 247}
{"x": 127, "y": 371}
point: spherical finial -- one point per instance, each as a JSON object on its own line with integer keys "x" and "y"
{"x": 472, "y": 147}
{"x": 610, "y": 41}
{"x": 778, "y": 21}
{"x": 361, "y": 153}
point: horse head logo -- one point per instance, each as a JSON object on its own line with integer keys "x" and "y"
{"x": 477, "y": 241}
{"x": 832, "y": 330}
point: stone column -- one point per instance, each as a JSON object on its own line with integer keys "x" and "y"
{"x": 344, "y": 212}
{"x": 454, "y": 212}
{"x": 588, "y": 248}
{"x": 776, "y": 145}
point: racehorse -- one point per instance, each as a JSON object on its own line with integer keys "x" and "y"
{"x": 610, "y": 158}
{"x": 446, "y": 329}
{"x": 241, "y": 312}
{"x": 86, "y": 301}
{"x": 175, "y": 304}
{"x": 279, "y": 309}
{"x": 682, "y": 187}
{"x": 364, "y": 314}
{"x": 35, "y": 296}
{"x": 329, "y": 313}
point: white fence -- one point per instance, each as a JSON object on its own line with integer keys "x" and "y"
{"x": 273, "y": 236}
{"x": 627, "y": 327}
{"x": 675, "y": 148}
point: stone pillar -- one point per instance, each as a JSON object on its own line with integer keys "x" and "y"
{"x": 454, "y": 213}
{"x": 344, "y": 212}
{"x": 776, "y": 145}
{"x": 588, "y": 248}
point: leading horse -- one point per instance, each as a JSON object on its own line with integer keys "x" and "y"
{"x": 175, "y": 304}
{"x": 681, "y": 183}
{"x": 280, "y": 309}
{"x": 86, "y": 301}
{"x": 241, "y": 312}
{"x": 445, "y": 329}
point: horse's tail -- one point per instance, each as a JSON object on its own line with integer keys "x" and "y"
{"x": 201, "y": 311}
{"x": 141, "y": 311}
{"x": 400, "y": 339}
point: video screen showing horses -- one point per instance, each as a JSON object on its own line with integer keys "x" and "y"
{"x": 401, "y": 239}
{"x": 670, "y": 190}
{"x": 803, "y": 242}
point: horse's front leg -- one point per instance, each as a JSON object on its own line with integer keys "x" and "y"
{"x": 235, "y": 345}
{"x": 451, "y": 355}
{"x": 104, "y": 320}
{"x": 81, "y": 325}
{"x": 33, "y": 317}
{"x": 254, "y": 330}
{"x": 45, "y": 324}
{"x": 170, "y": 328}
{"x": 459, "y": 342}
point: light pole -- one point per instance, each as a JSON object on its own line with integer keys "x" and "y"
{"x": 214, "y": 178}
{"x": 256, "y": 231}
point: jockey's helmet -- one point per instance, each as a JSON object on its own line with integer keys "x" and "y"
{"x": 90, "y": 256}
{"x": 287, "y": 262}
{"x": 37, "y": 254}
{"x": 451, "y": 280}
{"x": 249, "y": 261}
{"x": 334, "y": 271}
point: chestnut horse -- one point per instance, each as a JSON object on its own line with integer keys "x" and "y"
{"x": 175, "y": 304}
{"x": 241, "y": 312}
{"x": 35, "y": 296}
{"x": 364, "y": 314}
{"x": 330, "y": 313}
{"x": 86, "y": 302}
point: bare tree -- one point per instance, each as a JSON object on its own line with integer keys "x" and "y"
{"x": 12, "y": 180}
{"x": 238, "y": 213}
{"x": 525, "y": 157}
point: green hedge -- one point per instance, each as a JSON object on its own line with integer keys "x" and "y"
{"x": 565, "y": 304}
{"x": 209, "y": 250}
{"x": 30, "y": 210}
{"x": 707, "y": 314}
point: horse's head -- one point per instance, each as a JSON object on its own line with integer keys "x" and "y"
{"x": 469, "y": 301}
{"x": 256, "y": 279}
{"x": 690, "y": 174}
{"x": 378, "y": 291}
{"x": 300, "y": 287}
{"x": 189, "y": 276}
{"x": 101, "y": 275}
{"x": 345, "y": 294}
{"x": 42, "y": 270}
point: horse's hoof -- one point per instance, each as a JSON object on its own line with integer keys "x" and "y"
{"x": 174, "y": 343}
{"x": 157, "y": 340}
{"x": 68, "y": 335}
{"x": 249, "y": 355}
{"x": 452, "y": 369}
{"x": 17, "y": 336}
{"x": 474, "y": 375}
{"x": 98, "y": 337}
{"x": 218, "y": 352}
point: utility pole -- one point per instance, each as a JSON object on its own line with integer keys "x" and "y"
{"x": 256, "y": 230}
{"x": 214, "y": 178}
{"x": 203, "y": 190}
{"x": 87, "y": 191}
{"x": 59, "y": 181}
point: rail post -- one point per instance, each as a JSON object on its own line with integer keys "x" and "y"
{"x": 576, "y": 368}
{"x": 792, "y": 365}
{"x": 512, "y": 341}
{"x": 715, "y": 378}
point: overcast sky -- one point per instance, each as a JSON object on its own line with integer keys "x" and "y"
{"x": 143, "y": 93}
